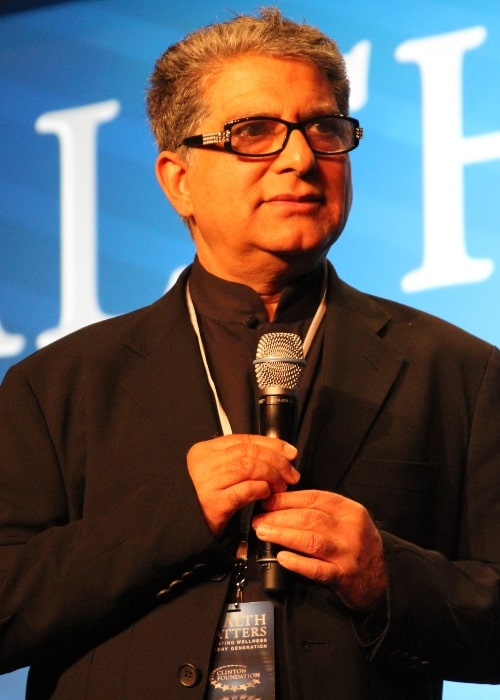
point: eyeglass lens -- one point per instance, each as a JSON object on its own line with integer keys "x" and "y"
{"x": 266, "y": 136}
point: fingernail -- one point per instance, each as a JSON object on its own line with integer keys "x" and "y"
{"x": 289, "y": 451}
{"x": 262, "y": 531}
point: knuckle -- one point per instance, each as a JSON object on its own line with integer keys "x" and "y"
{"x": 237, "y": 458}
{"x": 311, "y": 498}
{"x": 193, "y": 451}
{"x": 312, "y": 542}
{"x": 234, "y": 501}
{"x": 319, "y": 573}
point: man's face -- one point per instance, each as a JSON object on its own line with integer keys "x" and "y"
{"x": 255, "y": 216}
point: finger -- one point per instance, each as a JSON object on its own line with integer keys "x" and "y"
{"x": 244, "y": 493}
{"x": 310, "y": 499}
{"x": 313, "y": 569}
{"x": 275, "y": 444}
{"x": 317, "y": 541}
{"x": 257, "y": 459}
{"x": 260, "y": 457}
{"x": 237, "y": 458}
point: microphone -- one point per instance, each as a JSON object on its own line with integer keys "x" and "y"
{"x": 279, "y": 364}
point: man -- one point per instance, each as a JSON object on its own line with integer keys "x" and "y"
{"x": 130, "y": 453}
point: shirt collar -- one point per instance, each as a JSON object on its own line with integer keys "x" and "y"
{"x": 232, "y": 302}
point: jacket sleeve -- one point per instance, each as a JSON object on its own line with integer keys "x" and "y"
{"x": 444, "y": 612}
{"x": 67, "y": 576}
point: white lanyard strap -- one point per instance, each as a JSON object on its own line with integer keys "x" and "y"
{"x": 223, "y": 419}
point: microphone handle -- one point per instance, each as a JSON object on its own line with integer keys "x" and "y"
{"x": 277, "y": 416}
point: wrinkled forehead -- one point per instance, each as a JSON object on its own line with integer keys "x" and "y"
{"x": 258, "y": 84}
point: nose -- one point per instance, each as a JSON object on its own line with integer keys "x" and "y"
{"x": 297, "y": 154}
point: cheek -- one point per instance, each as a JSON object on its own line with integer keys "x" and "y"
{"x": 340, "y": 185}
{"x": 206, "y": 195}
{"x": 228, "y": 193}
{"x": 217, "y": 206}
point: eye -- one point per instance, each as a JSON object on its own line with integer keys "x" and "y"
{"x": 255, "y": 129}
{"x": 329, "y": 134}
{"x": 325, "y": 127}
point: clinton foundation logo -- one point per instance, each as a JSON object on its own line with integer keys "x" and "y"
{"x": 234, "y": 681}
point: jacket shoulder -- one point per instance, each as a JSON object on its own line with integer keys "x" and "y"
{"x": 104, "y": 343}
{"x": 413, "y": 329}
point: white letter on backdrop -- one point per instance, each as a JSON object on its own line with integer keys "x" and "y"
{"x": 358, "y": 68}
{"x": 445, "y": 153}
{"x": 11, "y": 344}
{"x": 76, "y": 130}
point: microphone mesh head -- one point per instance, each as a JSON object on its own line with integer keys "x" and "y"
{"x": 279, "y": 361}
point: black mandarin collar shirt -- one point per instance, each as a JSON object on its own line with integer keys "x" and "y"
{"x": 232, "y": 319}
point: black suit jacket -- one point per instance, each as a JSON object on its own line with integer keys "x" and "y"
{"x": 98, "y": 514}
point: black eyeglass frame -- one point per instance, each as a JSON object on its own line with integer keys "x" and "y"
{"x": 211, "y": 139}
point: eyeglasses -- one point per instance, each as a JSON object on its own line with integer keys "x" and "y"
{"x": 327, "y": 135}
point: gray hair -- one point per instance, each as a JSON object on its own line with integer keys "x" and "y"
{"x": 176, "y": 99}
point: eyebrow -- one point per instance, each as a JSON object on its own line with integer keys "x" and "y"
{"x": 310, "y": 114}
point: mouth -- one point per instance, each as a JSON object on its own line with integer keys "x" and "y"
{"x": 296, "y": 199}
{"x": 296, "y": 205}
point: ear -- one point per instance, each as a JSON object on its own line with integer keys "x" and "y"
{"x": 171, "y": 173}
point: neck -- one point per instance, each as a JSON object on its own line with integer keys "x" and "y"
{"x": 270, "y": 289}
{"x": 270, "y": 302}
{"x": 268, "y": 278}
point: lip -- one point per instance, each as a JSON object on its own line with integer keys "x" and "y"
{"x": 287, "y": 197}
{"x": 294, "y": 199}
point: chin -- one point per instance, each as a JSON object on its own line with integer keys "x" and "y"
{"x": 300, "y": 262}
{"x": 309, "y": 248}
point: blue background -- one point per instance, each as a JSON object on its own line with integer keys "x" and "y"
{"x": 77, "y": 53}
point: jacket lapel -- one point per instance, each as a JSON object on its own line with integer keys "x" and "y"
{"x": 169, "y": 381}
{"x": 358, "y": 369}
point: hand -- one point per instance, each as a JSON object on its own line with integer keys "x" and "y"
{"x": 232, "y": 471}
{"x": 334, "y": 541}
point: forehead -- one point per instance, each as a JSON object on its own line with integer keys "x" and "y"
{"x": 254, "y": 84}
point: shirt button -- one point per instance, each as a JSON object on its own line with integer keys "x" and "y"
{"x": 189, "y": 675}
{"x": 251, "y": 321}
